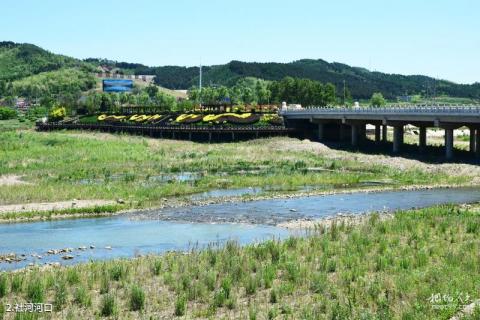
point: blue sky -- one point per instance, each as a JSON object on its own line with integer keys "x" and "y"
{"x": 440, "y": 38}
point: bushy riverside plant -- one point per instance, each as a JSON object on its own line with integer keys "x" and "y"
{"x": 3, "y": 285}
{"x": 36, "y": 290}
{"x": 108, "y": 306}
{"x": 180, "y": 306}
{"x": 137, "y": 298}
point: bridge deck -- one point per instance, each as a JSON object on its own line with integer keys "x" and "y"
{"x": 329, "y": 121}
{"x": 432, "y": 115}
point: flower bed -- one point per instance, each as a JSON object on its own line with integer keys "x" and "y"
{"x": 226, "y": 119}
{"x": 229, "y": 118}
{"x": 136, "y": 118}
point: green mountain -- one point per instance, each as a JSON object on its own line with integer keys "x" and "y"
{"x": 361, "y": 83}
{"x": 21, "y": 61}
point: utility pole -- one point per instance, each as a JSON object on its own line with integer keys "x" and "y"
{"x": 344, "y": 93}
{"x": 200, "y": 85}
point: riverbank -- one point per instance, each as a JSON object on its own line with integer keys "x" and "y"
{"x": 61, "y": 166}
{"x": 376, "y": 267}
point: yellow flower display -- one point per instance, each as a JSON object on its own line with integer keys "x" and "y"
{"x": 134, "y": 118}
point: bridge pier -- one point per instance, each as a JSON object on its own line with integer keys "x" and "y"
{"x": 362, "y": 131}
{"x": 355, "y": 133}
{"x": 343, "y": 132}
{"x": 321, "y": 132}
{"x": 477, "y": 143}
{"x": 449, "y": 143}
{"x": 422, "y": 138}
{"x": 384, "y": 133}
{"x": 377, "y": 133}
{"x": 397, "y": 138}
{"x": 473, "y": 145}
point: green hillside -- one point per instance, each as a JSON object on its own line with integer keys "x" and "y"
{"x": 21, "y": 60}
{"x": 361, "y": 83}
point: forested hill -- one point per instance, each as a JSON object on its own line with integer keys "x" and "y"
{"x": 19, "y": 61}
{"x": 360, "y": 82}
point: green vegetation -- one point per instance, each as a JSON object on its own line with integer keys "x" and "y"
{"x": 71, "y": 165}
{"x": 66, "y": 84}
{"x": 377, "y": 100}
{"x": 7, "y": 113}
{"x": 375, "y": 269}
{"x": 360, "y": 82}
{"x": 67, "y": 213}
{"x": 46, "y": 78}
{"x": 22, "y": 60}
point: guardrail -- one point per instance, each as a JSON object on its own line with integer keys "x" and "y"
{"x": 147, "y": 128}
{"x": 418, "y": 109}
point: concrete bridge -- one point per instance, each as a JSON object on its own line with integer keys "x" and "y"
{"x": 341, "y": 124}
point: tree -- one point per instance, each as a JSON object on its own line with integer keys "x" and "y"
{"x": 377, "y": 100}
{"x": 151, "y": 90}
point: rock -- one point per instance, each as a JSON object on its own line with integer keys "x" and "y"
{"x": 67, "y": 257}
{"x": 121, "y": 201}
{"x": 83, "y": 248}
{"x": 108, "y": 247}
{"x": 92, "y": 246}
{"x": 293, "y": 210}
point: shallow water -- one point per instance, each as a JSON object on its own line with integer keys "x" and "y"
{"x": 126, "y": 237}
{"x": 158, "y": 231}
{"x": 274, "y": 211}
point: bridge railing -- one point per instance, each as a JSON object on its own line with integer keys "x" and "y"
{"x": 462, "y": 109}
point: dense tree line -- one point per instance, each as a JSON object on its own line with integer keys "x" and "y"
{"x": 254, "y": 91}
{"x": 149, "y": 96}
{"x": 303, "y": 91}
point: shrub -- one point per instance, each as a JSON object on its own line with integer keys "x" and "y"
{"x": 104, "y": 284}
{"x": 156, "y": 267}
{"x": 273, "y": 296}
{"x": 72, "y": 276}
{"x": 81, "y": 297}
{"x": 35, "y": 113}
{"x": 219, "y": 298}
{"x": 3, "y": 285}
{"x": 36, "y": 290}
{"x": 118, "y": 272}
{"x": 227, "y": 286}
{"x": 60, "y": 295}
{"x": 180, "y": 306}
{"x": 108, "y": 306}
{"x": 251, "y": 285}
{"x": 57, "y": 114}
{"x": 17, "y": 282}
{"x": 137, "y": 298}
{"x": 7, "y": 113}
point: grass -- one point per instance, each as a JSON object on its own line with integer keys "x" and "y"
{"x": 70, "y": 165}
{"x": 377, "y": 269}
{"x": 15, "y": 124}
{"x": 72, "y": 212}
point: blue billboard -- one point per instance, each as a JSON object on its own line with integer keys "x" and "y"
{"x": 117, "y": 85}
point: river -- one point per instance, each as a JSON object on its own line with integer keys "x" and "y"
{"x": 157, "y": 231}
